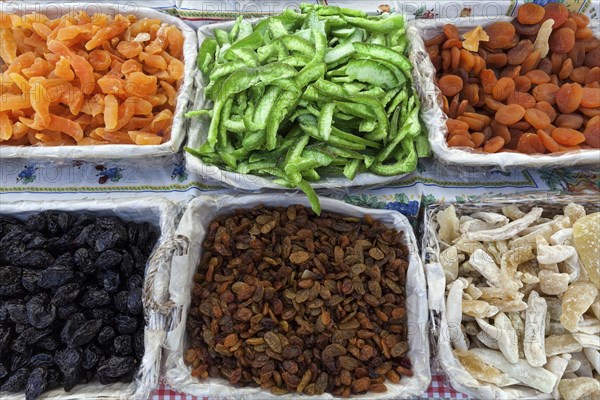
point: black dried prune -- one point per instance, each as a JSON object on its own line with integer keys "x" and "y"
{"x": 135, "y": 281}
{"x": 65, "y": 221}
{"x": 13, "y": 290}
{"x": 69, "y": 328}
{"x": 138, "y": 343}
{"x": 86, "y": 332}
{"x": 109, "y": 259}
{"x": 83, "y": 220}
{"x": 16, "y": 382}
{"x": 125, "y": 324}
{"x": 5, "y": 337}
{"x": 85, "y": 237}
{"x": 106, "y": 240}
{"x": 127, "y": 264}
{"x": 91, "y": 356}
{"x": 94, "y": 299}
{"x": 123, "y": 345}
{"x": 30, "y": 279}
{"x": 111, "y": 281}
{"x": 139, "y": 259}
{"x": 28, "y": 337}
{"x": 84, "y": 259}
{"x": 56, "y": 276}
{"x": 19, "y": 360}
{"x": 105, "y": 314}
{"x": 134, "y": 301}
{"x": 40, "y": 312}
{"x": 106, "y": 336}
{"x": 36, "y": 383}
{"x": 53, "y": 378}
{"x": 120, "y": 301}
{"x": 115, "y": 369}
{"x": 48, "y": 343}
{"x": 41, "y": 360}
{"x": 66, "y": 294}
{"x": 66, "y": 311}
{"x": 35, "y": 259}
{"x": 36, "y": 222}
{"x": 3, "y": 371}
{"x": 69, "y": 362}
{"x": 10, "y": 275}
{"x": 34, "y": 240}
{"x": 65, "y": 260}
{"x": 18, "y": 312}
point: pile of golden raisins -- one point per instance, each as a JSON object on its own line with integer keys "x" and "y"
{"x": 530, "y": 86}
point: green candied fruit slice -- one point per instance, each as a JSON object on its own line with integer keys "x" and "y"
{"x": 586, "y": 238}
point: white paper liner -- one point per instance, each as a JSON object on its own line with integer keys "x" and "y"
{"x": 112, "y": 151}
{"x": 193, "y": 225}
{"x": 199, "y": 128}
{"x": 435, "y": 119}
{"x": 161, "y": 214}
{"x": 444, "y": 358}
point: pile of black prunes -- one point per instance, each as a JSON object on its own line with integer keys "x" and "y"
{"x": 71, "y": 300}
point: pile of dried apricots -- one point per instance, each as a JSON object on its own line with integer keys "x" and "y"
{"x": 531, "y": 86}
{"x": 88, "y": 79}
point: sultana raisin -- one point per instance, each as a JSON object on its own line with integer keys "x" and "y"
{"x": 547, "y": 108}
{"x": 537, "y": 77}
{"x": 545, "y": 92}
{"x": 537, "y": 118}
{"x": 501, "y": 34}
{"x": 518, "y": 54}
{"x": 573, "y": 121}
{"x": 569, "y": 97}
{"x": 567, "y": 136}
{"x": 496, "y": 60}
{"x": 488, "y": 80}
{"x": 522, "y": 84}
{"x": 530, "y": 14}
{"x": 531, "y": 62}
{"x": 503, "y": 88}
{"x": 450, "y": 85}
{"x": 510, "y": 114}
{"x": 562, "y": 40}
{"x": 556, "y": 11}
{"x": 524, "y": 99}
{"x": 494, "y": 144}
{"x": 590, "y": 97}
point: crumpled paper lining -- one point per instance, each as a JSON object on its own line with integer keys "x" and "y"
{"x": 193, "y": 224}
{"x": 435, "y": 119}
{"x": 445, "y": 359}
{"x": 161, "y": 214}
{"x": 199, "y": 130}
{"x": 115, "y": 151}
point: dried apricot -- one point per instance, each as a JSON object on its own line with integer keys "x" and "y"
{"x": 545, "y": 92}
{"x": 590, "y": 97}
{"x": 579, "y": 74}
{"x": 492, "y": 104}
{"x": 569, "y": 97}
{"x": 538, "y": 77}
{"x": 460, "y": 141}
{"x": 518, "y": 54}
{"x": 545, "y": 65}
{"x": 530, "y": 14}
{"x": 584, "y": 33}
{"x": 510, "y": 114}
{"x": 501, "y": 34}
{"x": 592, "y": 135}
{"x": 562, "y": 40}
{"x": 455, "y": 58}
{"x": 500, "y": 130}
{"x": 450, "y": 85}
{"x": 570, "y": 24}
{"x": 477, "y": 138}
{"x": 471, "y": 93}
{"x": 475, "y": 124}
{"x": 522, "y": 84}
{"x": 511, "y": 71}
{"x": 488, "y": 80}
{"x": 461, "y": 132}
{"x": 538, "y": 119}
{"x": 451, "y": 31}
{"x": 467, "y": 60}
{"x": 524, "y": 99}
{"x": 557, "y": 12}
{"x": 454, "y": 125}
{"x": 580, "y": 19}
{"x": 573, "y": 121}
{"x": 531, "y": 62}
{"x": 503, "y": 88}
{"x": 529, "y": 143}
{"x": 577, "y": 54}
{"x": 593, "y": 76}
{"x": 567, "y": 136}
{"x": 496, "y": 60}
{"x": 592, "y": 58}
{"x": 566, "y": 69}
{"x": 547, "y": 108}
{"x": 494, "y": 144}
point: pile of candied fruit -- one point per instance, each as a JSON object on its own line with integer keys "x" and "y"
{"x": 530, "y": 86}
{"x": 87, "y": 79}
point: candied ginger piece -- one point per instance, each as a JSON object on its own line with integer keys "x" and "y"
{"x": 449, "y": 224}
{"x": 541, "y": 42}
{"x": 483, "y": 371}
{"x": 586, "y": 239}
{"x": 577, "y": 388}
{"x": 576, "y": 300}
{"x": 553, "y": 283}
{"x": 574, "y": 212}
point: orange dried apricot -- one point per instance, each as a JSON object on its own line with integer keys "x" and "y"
{"x": 557, "y": 12}
{"x": 524, "y": 99}
{"x": 518, "y": 54}
{"x": 450, "y": 85}
{"x": 522, "y": 84}
{"x": 454, "y": 124}
{"x": 530, "y": 14}
{"x": 545, "y": 92}
{"x": 547, "y": 108}
{"x": 573, "y": 121}
{"x": 500, "y": 130}
{"x": 569, "y": 97}
{"x": 496, "y": 60}
{"x": 488, "y": 80}
{"x": 503, "y": 88}
{"x": 531, "y": 62}
{"x": 529, "y": 143}
{"x": 592, "y": 135}
{"x": 494, "y": 144}
{"x": 580, "y": 19}
{"x": 475, "y": 124}
{"x": 562, "y": 40}
{"x": 537, "y": 118}
{"x": 537, "y": 77}
{"x": 590, "y": 97}
{"x": 501, "y": 34}
{"x": 451, "y": 31}
{"x": 567, "y": 136}
{"x": 477, "y": 138}
{"x": 510, "y": 114}
{"x": 460, "y": 141}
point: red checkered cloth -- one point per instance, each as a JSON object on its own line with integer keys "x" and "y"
{"x": 437, "y": 390}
